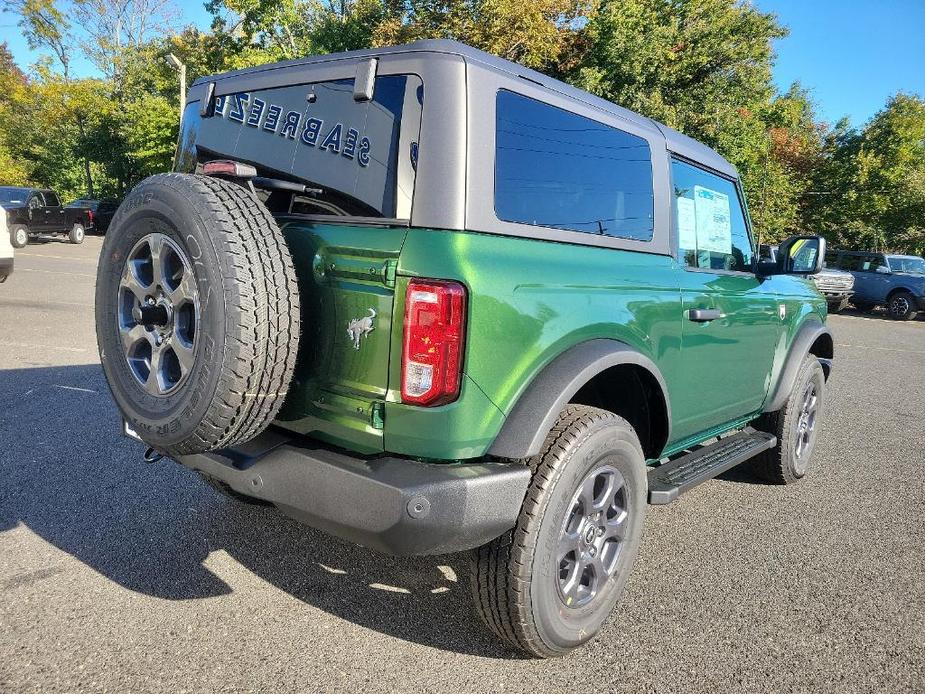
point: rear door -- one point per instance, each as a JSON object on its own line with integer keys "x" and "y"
{"x": 869, "y": 284}
{"x": 731, "y": 322}
{"x": 55, "y": 217}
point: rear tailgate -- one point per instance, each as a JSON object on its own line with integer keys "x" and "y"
{"x": 347, "y": 283}
{"x": 357, "y": 153}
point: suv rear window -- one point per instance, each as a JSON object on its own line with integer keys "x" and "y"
{"x": 554, "y": 168}
{"x": 361, "y": 154}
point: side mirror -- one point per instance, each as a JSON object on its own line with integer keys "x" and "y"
{"x": 801, "y": 255}
{"x": 883, "y": 270}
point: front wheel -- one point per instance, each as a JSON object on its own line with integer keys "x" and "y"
{"x": 796, "y": 426}
{"x": 19, "y": 235}
{"x": 76, "y": 234}
{"x": 901, "y": 306}
{"x": 547, "y": 586}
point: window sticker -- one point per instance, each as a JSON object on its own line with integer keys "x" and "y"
{"x": 687, "y": 224}
{"x": 713, "y": 219}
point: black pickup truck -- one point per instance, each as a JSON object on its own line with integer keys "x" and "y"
{"x": 36, "y": 211}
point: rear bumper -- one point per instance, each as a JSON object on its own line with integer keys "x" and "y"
{"x": 394, "y": 505}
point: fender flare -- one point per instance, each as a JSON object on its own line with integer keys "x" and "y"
{"x": 806, "y": 336}
{"x": 535, "y": 412}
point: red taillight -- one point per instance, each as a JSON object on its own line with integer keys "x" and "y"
{"x": 432, "y": 350}
{"x": 90, "y": 216}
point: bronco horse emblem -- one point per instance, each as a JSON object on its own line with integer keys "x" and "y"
{"x": 361, "y": 327}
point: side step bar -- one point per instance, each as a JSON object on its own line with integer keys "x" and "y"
{"x": 670, "y": 480}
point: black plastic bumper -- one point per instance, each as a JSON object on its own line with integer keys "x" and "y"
{"x": 394, "y": 505}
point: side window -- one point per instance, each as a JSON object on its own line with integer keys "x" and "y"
{"x": 709, "y": 221}
{"x": 36, "y": 201}
{"x": 831, "y": 260}
{"x": 870, "y": 263}
{"x": 51, "y": 200}
{"x": 554, "y": 168}
{"x": 850, "y": 262}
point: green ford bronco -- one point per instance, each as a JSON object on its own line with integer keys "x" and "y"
{"x": 430, "y": 301}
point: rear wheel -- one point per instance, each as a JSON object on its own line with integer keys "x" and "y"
{"x": 547, "y": 586}
{"x": 19, "y": 235}
{"x": 901, "y": 306}
{"x": 76, "y": 234}
{"x": 197, "y": 313}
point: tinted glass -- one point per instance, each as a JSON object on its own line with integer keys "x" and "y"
{"x": 556, "y": 169}
{"x": 870, "y": 263}
{"x": 709, "y": 221}
{"x": 915, "y": 266}
{"x": 13, "y": 196}
{"x": 51, "y": 200}
{"x": 362, "y": 154}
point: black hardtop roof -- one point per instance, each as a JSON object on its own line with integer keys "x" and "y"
{"x": 675, "y": 141}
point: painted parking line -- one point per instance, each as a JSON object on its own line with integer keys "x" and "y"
{"x": 880, "y": 349}
{"x": 54, "y": 272}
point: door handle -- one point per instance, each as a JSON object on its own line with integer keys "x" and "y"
{"x": 703, "y": 315}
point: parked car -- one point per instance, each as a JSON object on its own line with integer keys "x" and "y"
{"x": 6, "y": 251}
{"x": 34, "y": 211}
{"x": 896, "y": 282}
{"x": 837, "y": 286}
{"x": 503, "y": 317}
{"x": 100, "y": 213}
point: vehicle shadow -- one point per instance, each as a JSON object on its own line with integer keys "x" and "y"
{"x": 73, "y": 480}
{"x": 874, "y": 314}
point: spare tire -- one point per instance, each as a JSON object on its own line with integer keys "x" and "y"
{"x": 197, "y": 313}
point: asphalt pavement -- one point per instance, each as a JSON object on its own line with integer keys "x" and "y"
{"x": 120, "y": 576}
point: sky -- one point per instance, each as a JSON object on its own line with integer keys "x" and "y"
{"x": 852, "y": 54}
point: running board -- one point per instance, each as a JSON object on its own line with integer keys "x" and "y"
{"x": 670, "y": 480}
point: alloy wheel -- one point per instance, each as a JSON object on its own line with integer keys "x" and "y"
{"x": 806, "y": 426}
{"x": 899, "y": 306}
{"x": 158, "y": 314}
{"x": 592, "y": 535}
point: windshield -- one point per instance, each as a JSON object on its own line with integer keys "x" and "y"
{"x": 915, "y": 266}
{"x": 13, "y": 196}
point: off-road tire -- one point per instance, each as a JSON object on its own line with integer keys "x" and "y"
{"x": 76, "y": 234}
{"x": 513, "y": 578}
{"x": 781, "y": 465}
{"x": 901, "y": 306}
{"x": 249, "y": 320}
{"x": 19, "y": 235}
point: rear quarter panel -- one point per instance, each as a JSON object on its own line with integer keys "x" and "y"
{"x": 529, "y": 301}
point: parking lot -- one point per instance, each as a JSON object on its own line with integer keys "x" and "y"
{"x": 121, "y": 576}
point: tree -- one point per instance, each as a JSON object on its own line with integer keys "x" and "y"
{"x": 534, "y": 33}
{"x": 871, "y": 182}
{"x": 113, "y": 27}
